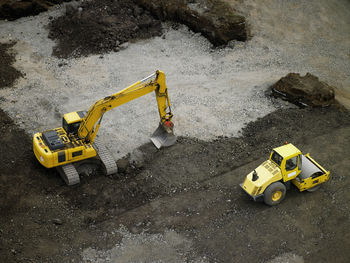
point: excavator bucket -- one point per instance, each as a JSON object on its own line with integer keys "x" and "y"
{"x": 164, "y": 135}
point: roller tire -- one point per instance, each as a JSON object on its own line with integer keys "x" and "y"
{"x": 275, "y": 193}
{"x": 313, "y": 189}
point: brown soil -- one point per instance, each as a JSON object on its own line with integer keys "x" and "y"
{"x": 8, "y": 74}
{"x": 101, "y": 26}
{"x": 304, "y": 90}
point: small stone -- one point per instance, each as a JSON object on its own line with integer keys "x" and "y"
{"x": 122, "y": 165}
{"x": 57, "y": 221}
{"x": 124, "y": 45}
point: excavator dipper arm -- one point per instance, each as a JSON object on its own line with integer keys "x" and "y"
{"x": 155, "y": 82}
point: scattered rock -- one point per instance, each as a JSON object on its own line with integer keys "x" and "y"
{"x": 57, "y": 221}
{"x": 122, "y": 165}
{"x": 137, "y": 158}
{"x": 307, "y": 90}
{"x": 215, "y": 19}
{"x": 124, "y": 45}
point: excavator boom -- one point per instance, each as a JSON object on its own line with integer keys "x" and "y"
{"x": 155, "y": 82}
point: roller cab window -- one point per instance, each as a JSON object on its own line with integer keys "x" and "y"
{"x": 275, "y": 157}
{"x": 292, "y": 163}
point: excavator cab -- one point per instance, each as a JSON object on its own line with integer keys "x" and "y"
{"x": 71, "y": 121}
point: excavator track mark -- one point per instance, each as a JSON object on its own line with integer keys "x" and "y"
{"x": 106, "y": 158}
{"x": 69, "y": 174}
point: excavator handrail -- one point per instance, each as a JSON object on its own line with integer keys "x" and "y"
{"x": 149, "y": 77}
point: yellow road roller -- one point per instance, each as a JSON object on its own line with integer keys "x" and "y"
{"x": 286, "y": 165}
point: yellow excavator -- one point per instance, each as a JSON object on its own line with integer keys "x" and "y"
{"x": 73, "y": 148}
{"x": 286, "y": 165}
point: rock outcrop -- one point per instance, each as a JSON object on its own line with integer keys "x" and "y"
{"x": 215, "y": 19}
{"x": 307, "y": 90}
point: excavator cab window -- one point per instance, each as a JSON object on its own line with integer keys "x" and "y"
{"x": 71, "y": 128}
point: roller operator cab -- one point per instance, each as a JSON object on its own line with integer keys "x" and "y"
{"x": 62, "y": 145}
{"x": 286, "y": 165}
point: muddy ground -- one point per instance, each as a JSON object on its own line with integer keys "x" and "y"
{"x": 191, "y": 189}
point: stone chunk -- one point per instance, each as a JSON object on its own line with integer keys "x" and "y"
{"x": 215, "y": 19}
{"x": 306, "y": 90}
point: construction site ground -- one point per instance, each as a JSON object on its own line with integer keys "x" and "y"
{"x": 183, "y": 203}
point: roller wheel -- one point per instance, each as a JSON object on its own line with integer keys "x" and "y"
{"x": 313, "y": 189}
{"x": 314, "y": 175}
{"x": 275, "y": 193}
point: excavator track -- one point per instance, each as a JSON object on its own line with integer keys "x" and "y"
{"x": 106, "y": 158}
{"x": 69, "y": 174}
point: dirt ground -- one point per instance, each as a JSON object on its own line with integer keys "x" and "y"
{"x": 98, "y": 27}
{"x": 179, "y": 204}
{"x": 191, "y": 189}
{"x": 8, "y": 74}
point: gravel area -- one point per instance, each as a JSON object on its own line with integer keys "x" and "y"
{"x": 209, "y": 89}
{"x": 168, "y": 247}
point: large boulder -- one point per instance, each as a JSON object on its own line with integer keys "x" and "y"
{"x": 307, "y": 90}
{"x": 215, "y": 19}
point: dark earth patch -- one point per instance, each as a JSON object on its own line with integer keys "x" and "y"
{"x": 12, "y": 10}
{"x": 8, "y": 74}
{"x": 97, "y": 27}
{"x": 43, "y": 220}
